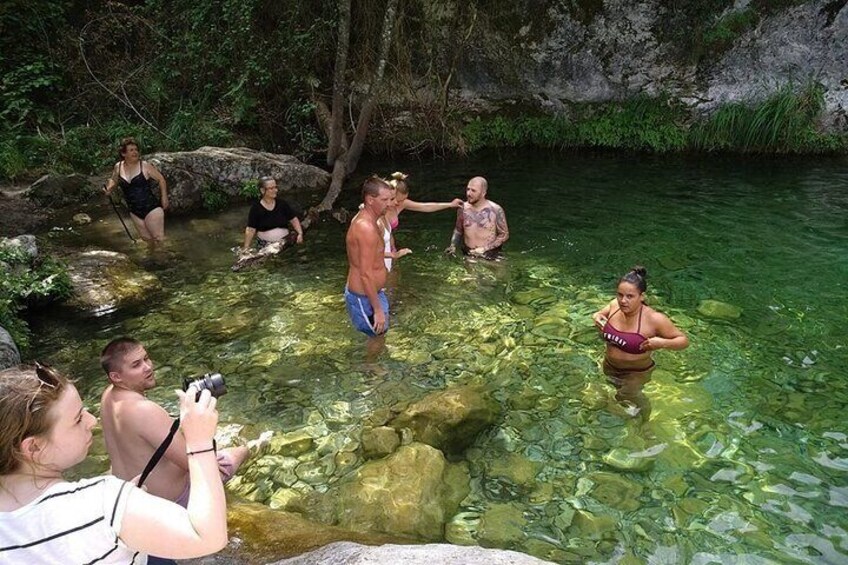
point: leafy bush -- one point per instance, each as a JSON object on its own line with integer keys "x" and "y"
{"x": 214, "y": 198}
{"x": 25, "y": 283}
{"x": 784, "y": 122}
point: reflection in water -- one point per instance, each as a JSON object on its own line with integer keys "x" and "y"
{"x": 745, "y": 451}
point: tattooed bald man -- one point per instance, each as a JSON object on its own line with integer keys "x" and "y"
{"x": 481, "y": 228}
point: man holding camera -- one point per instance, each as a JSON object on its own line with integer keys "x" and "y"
{"x": 134, "y": 426}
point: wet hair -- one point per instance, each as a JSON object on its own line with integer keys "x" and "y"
{"x": 398, "y": 182}
{"x": 26, "y": 395}
{"x": 126, "y": 142}
{"x": 372, "y": 186}
{"x": 637, "y": 277}
{"x": 113, "y": 354}
{"x": 265, "y": 180}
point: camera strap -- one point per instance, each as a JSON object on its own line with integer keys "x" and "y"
{"x": 160, "y": 451}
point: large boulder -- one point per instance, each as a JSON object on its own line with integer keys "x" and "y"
{"x": 56, "y": 191}
{"x": 347, "y": 553}
{"x": 191, "y": 174}
{"x": 267, "y": 534}
{"x": 105, "y": 280}
{"x": 412, "y": 492}
{"x": 9, "y": 354}
{"x": 451, "y": 419}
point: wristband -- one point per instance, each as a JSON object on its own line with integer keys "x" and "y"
{"x": 213, "y": 448}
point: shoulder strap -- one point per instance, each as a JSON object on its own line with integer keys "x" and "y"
{"x": 160, "y": 451}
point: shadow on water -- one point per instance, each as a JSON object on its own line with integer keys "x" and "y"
{"x": 744, "y": 451}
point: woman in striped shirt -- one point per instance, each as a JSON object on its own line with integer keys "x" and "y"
{"x": 45, "y": 430}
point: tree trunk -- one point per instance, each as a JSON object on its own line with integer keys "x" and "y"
{"x": 344, "y": 162}
{"x": 355, "y": 151}
{"x": 336, "y": 130}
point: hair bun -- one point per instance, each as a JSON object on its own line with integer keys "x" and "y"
{"x": 640, "y": 271}
{"x": 397, "y": 175}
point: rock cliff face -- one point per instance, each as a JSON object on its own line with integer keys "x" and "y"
{"x": 549, "y": 54}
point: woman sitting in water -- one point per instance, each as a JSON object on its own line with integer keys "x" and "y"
{"x": 133, "y": 176}
{"x": 45, "y": 430}
{"x": 632, "y": 331}
{"x": 268, "y": 217}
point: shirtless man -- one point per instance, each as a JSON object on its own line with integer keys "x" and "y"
{"x": 365, "y": 297}
{"x": 481, "y": 228}
{"x": 134, "y": 426}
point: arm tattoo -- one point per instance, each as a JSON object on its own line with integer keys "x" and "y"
{"x": 501, "y": 230}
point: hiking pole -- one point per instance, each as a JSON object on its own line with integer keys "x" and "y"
{"x": 115, "y": 208}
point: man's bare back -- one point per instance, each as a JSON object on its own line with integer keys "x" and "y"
{"x": 139, "y": 424}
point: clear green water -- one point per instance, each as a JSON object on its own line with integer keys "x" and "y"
{"x": 747, "y": 425}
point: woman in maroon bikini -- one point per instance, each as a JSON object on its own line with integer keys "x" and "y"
{"x": 632, "y": 330}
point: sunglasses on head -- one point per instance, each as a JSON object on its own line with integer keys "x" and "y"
{"x": 46, "y": 377}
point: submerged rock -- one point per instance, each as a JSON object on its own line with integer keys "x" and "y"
{"x": 344, "y": 553}
{"x": 411, "y": 492}
{"x": 268, "y": 534}
{"x": 624, "y": 460}
{"x": 379, "y": 442}
{"x": 449, "y": 420}
{"x": 501, "y": 525}
{"x": 719, "y": 310}
{"x": 105, "y": 280}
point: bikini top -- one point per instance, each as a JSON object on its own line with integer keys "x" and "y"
{"x": 394, "y": 223}
{"x": 628, "y": 342}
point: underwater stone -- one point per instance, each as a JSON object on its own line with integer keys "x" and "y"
{"x": 719, "y": 310}
{"x": 104, "y": 280}
{"x": 451, "y": 419}
{"x": 284, "y": 498}
{"x": 81, "y": 219}
{"x": 410, "y": 492}
{"x": 379, "y": 442}
{"x": 616, "y": 491}
{"x": 620, "y": 458}
{"x": 515, "y": 468}
{"x": 462, "y": 528}
{"x": 291, "y": 444}
{"x": 591, "y": 526}
{"x": 501, "y": 525}
{"x": 535, "y": 296}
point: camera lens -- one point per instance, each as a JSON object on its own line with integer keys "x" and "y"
{"x": 213, "y": 382}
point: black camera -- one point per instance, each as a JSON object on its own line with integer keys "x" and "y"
{"x": 213, "y": 382}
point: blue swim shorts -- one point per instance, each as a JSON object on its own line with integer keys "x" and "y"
{"x": 360, "y": 311}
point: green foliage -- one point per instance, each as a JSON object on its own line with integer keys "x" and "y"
{"x": 724, "y": 32}
{"x": 784, "y": 122}
{"x": 643, "y": 124}
{"x": 215, "y": 198}
{"x": 249, "y": 189}
{"x": 27, "y": 282}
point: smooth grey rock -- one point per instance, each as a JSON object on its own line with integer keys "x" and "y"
{"x": 105, "y": 280}
{"x": 25, "y": 242}
{"x": 56, "y": 191}
{"x": 9, "y": 354}
{"x": 191, "y": 173}
{"x": 347, "y": 553}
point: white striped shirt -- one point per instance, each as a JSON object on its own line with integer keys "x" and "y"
{"x": 70, "y": 523}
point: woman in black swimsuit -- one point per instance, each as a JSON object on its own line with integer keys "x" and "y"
{"x": 133, "y": 176}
